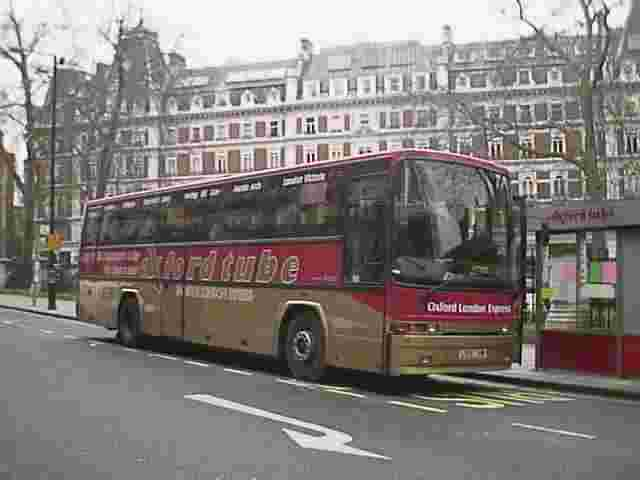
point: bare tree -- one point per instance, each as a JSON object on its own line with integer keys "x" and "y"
{"x": 19, "y": 48}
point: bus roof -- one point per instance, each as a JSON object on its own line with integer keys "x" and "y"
{"x": 395, "y": 154}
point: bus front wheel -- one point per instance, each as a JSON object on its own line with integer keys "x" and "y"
{"x": 129, "y": 323}
{"x": 305, "y": 347}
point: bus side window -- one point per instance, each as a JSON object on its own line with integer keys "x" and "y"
{"x": 92, "y": 227}
{"x": 365, "y": 229}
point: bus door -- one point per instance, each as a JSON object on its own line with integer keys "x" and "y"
{"x": 359, "y": 341}
{"x": 174, "y": 222}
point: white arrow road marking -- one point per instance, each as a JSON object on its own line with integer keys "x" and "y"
{"x": 330, "y": 441}
{"x": 47, "y": 332}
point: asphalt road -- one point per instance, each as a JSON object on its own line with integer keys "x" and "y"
{"x": 75, "y": 405}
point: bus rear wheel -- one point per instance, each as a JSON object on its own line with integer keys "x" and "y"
{"x": 129, "y": 323}
{"x": 305, "y": 347}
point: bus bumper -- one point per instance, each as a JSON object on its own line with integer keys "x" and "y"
{"x": 424, "y": 355}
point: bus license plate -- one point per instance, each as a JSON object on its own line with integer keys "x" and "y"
{"x": 473, "y": 354}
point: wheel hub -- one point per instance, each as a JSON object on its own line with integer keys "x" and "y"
{"x": 303, "y": 345}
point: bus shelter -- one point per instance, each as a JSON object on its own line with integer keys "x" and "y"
{"x": 604, "y": 335}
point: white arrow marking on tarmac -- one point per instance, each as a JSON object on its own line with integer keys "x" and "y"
{"x": 330, "y": 441}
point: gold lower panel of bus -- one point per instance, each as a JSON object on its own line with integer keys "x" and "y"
{"x": 248, "y": 319}
{"x": 420, "y": 355}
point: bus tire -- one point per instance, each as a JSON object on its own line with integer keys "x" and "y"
{"x": 129, "y": 323}
{"x": 304, "y": 347}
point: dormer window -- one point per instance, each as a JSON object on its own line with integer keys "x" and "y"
{"x": 274, "y": 95}
{"x": 394, "y": 83}
{"x": 310, "y": 89}
{"x": 339, "y": 87}
{"x": 222, "y": 99}
{"x": 247, "y": 98}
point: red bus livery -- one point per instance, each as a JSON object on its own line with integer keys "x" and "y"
{"x": 402, "y": 262}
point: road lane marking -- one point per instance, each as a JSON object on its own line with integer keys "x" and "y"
{"x": 467, "y": 401}
{"x": 196, "y": 364}
{"x": 70, "y": 337}
{"x": 416, "y": 406}
{"x": 132, "y": 350}
{"x": 344, "y": 392}
{"x": 239, "y": 372}
{"x": 47, "y": 332}
{"x": 8, "y": 322}
{"x": 330, "y": 440}
{"x": 553, "y": 430}
{"x": 296, "y": 383}
{"x": 164, "y": 357}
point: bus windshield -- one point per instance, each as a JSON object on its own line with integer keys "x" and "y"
{"x": 453, "y": 224}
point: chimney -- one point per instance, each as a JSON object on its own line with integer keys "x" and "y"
{"x": 177, "y": 61}
{"x": 447, "y": 34}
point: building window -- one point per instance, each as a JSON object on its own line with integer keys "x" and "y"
{"x": 310, "y": 154}
{"x": 557, "y": 144}
{"x": 632, "y": 142}
{"x": 494, "y": 113}
{"x": 394, "y": 120}
{"x": 310, "y": 89}
{"x": 366, "y": 87}
{"x": 559, "y": 186}
{"x": 274, "y": 128}
{"x": 220, "y": 133}
{"x": 196, "y": 163}
{"x": 195, "y": 136}
{"x": 125, "y": 137}
{"x": 171, "y": 166}
{"x": 422, "y": 118}
{"x": 336, "y": 152}
{"x": 479, "y": 80}
{"x": 274, "y": 158}
{"x": 364, "y": 120}
{"x": 574, "y": 184}
{"x": 171, "y": 136}
{"x": 141, "y": 137}
{"x": 221, "y": 162}
{"x": 495, "y": 148}
{"x": 339, "y": 87}
{"x": 543, "y": 185}
{"x": 524, "y": 77}
{"x": 421, "y": 82}
{"x": 93, "y": 170}
{"x": 461, "y": 81}
{"x": 246, "y": 161}
{"x": 183, "y": 135}
{"x": 184, "y": 104}
{"x": 365, "y": 148}
{"x": 554, "y": 76}
{"x": 527, "y": 147}
{"x": 556, "y": 112}
{"x": 395, "y": 84}
{"x": 464, "y": 144}
{"x": 529, "y": 188}
{"x": 310, "y": 125}
{"x": 247, "y": 129}
{"x": 208, "y": 133}
{"x": 208, "y": 101}
{"x": 525, "y": 113}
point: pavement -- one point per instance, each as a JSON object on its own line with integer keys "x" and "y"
{"x": 524, "y": 374}
{"x": 77, "y": 405}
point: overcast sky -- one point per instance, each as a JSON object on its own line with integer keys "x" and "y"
{"x": 211, "y": 32}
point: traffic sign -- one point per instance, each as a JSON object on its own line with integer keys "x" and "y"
{"x": 55, "y": 241}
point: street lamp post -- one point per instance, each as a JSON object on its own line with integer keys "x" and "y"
{"x": 52, "y": 275}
